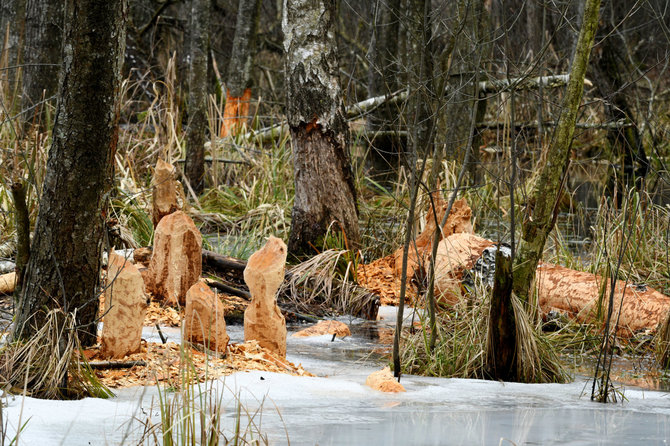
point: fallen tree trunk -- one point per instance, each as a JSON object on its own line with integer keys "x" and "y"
{"x": 636, "y": 307}
{"x": 361, "y": 108}
{"x": 221, "y": 262}
{"x": 116, "y": 364}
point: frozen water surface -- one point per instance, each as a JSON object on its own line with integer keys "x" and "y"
{"x": 336, "y": 408}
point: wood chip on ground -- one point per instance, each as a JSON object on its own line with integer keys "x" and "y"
{"x": 379, "y": 277}
{"x": 168, "y": 364}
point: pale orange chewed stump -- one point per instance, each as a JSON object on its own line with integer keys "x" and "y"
{"x": 164, "y": 194}
{"x": 263, "y": 275}
{"x": 204, "y": 321}
{"x": 125, "y": 307}
{"x": 235, "y": 113}
{"x": 176, "y": 260}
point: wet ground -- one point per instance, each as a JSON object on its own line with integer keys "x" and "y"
{"x": 336, "y": 408}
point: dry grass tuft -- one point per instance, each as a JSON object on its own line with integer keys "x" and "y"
{"x": 323, "y": 285}
{"x": 49, "y": 365}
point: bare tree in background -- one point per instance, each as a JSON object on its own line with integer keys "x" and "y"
{"x": 42, "y": 53}
{"x": 383, "y": 79}
{"x": 611, "y": 69}
{"x": 12, "y": 22}
{"x": 542, "y": 205}
{"x": 238, "y": 81}
{"x": 324, "y": 183}
{"x": 197, "y": 95}
{"x": 64, "y": 267}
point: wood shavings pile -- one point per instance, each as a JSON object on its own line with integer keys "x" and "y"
{"x": 169, "y": 364}
{"x": 379, "y": 277}
{"x": 162, "y": 315}
{"x": 158, "y": 313}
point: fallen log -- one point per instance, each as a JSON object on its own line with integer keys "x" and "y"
{"x": 361, "y": 108}
{"x": 221, "y": 262}
{"x": 636, "y": 307}
{"x": 116, "y": 364}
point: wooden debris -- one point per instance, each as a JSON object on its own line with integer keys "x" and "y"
{"x": 7, "y": 283}
{"x": 379, "y": 277}
{"x": 165, "y": 315}
{"x": 168, "y": 363}
{"x": 460, "y": 220}
{"x": 576, "y": 293}
{"x": 125, "y": 306}
{"x": 455, "y": 254}
{"x": 383, "y": 275}
{"x": 164, "y": 191}
{"x": 383, "y": 381}
{"x": 116, "y": 364}
{"x": 335, "y": 328}
{"x": 264, "y": 273}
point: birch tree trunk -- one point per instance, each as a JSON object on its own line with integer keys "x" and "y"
{"x": 238, "y": 81}
{"x": 64, "y": 266}
{"x": 42, "y": 51}
{"x": 542, "y": 205}
{"x": 196, "y": 131}
{"x": 324, "y": 182}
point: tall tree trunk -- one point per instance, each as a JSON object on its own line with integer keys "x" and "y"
{"x": 64, "y": 266}
{"x": 12, "y": 22}
{"x": 238, "y": 82}
{"x": 197, "y": 95}
{"x": 610, "y": 64}
{"x": 542, "y": 205}
{"x": 42, "y": 52}
{"x": 470, "y": 28}
{"x": 383, "y": 79}
{"x": 421, "y": 119}
{"x": 324, "y": 182}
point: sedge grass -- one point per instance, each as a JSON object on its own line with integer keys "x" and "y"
{"x": 461, "y": 342}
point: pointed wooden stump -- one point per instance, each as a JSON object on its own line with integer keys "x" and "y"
{"x": 263, "y": 275}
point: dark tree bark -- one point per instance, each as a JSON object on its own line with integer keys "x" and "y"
{"x": 12, "y": 22}
{"x": 610, "y": 66}
{"x": 383, "y": 79}
{"x": 64, "y": 266}
{"x": 197, "y": 95}
{"x": 324, "y": 183}
{"x": 238, "y": 81}
{"x": 501, "y": 345}
{"x": 42, "y": 51}
{"x": 244, "y": 44}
